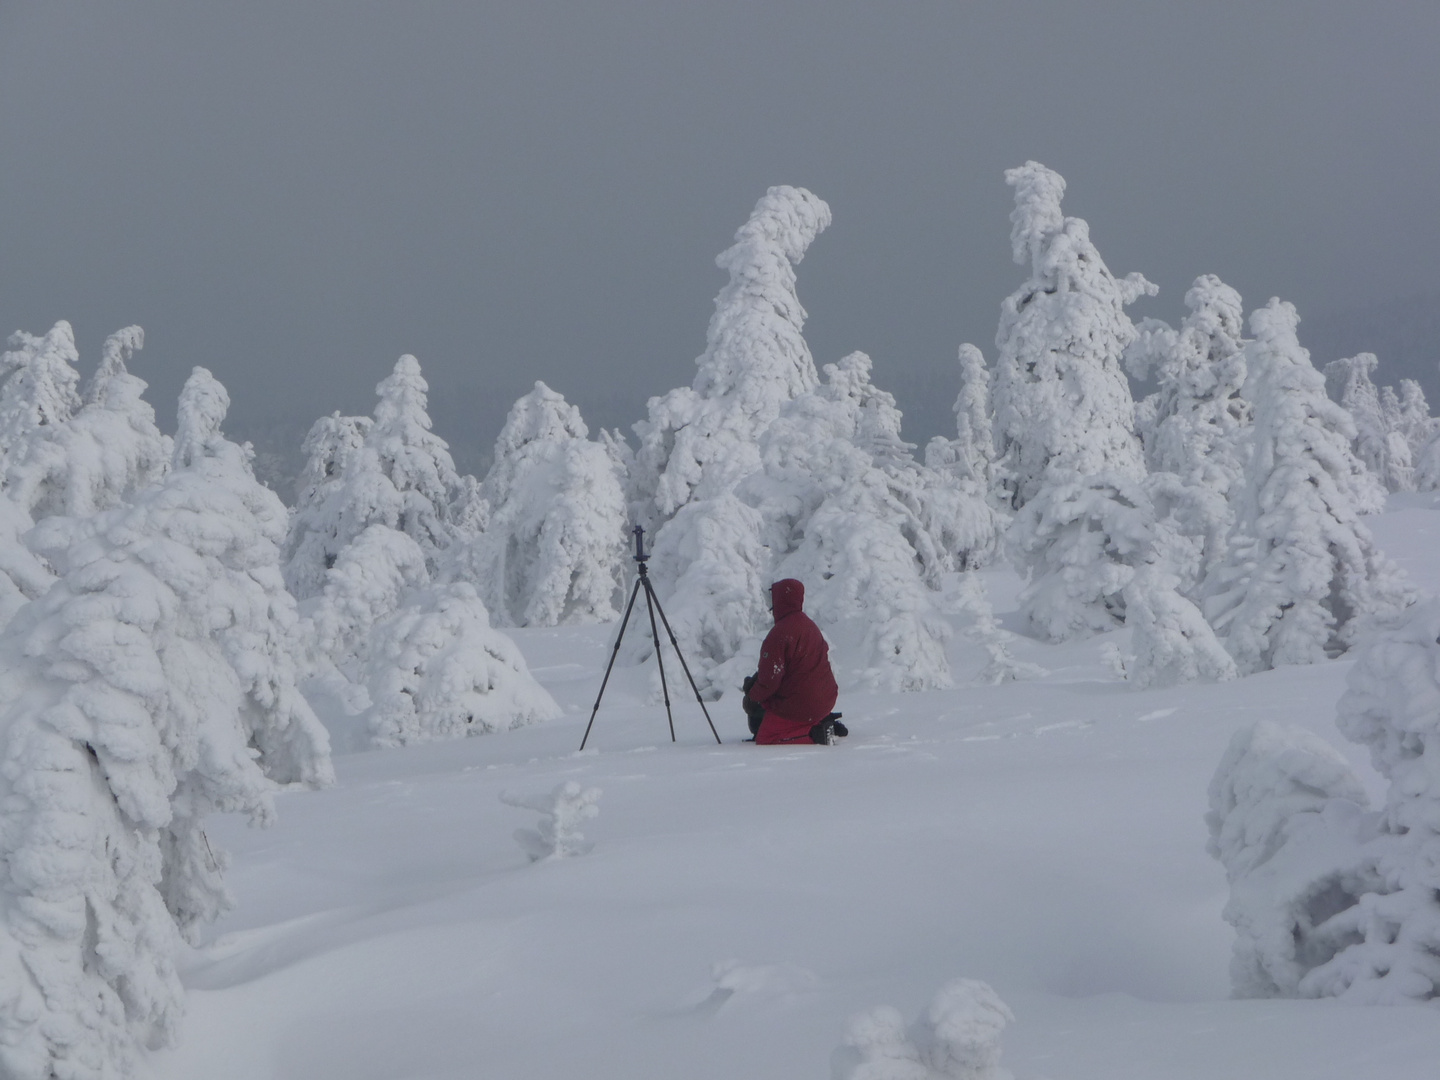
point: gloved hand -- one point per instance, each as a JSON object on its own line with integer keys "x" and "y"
{"x": 754, "y": 711}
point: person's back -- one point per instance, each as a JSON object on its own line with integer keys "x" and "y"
{"x": 794, "y": 682}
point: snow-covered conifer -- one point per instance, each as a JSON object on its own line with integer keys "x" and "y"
{"x": 104, "y": 452}
{"x": 438, "y": 671}
{"x": 552, "y": 551}
{"x": 1302, "y": 574}
{"x": 971, "y": 454}
{"x": 1060, "y": 396}
{"x": 401, "y": 476}
{"x": 698, "y": 442}
{"x": 315, "y": 540}
{"x": 41, "y": 389}
{"x": 1415, "y": 422}
{"x": 1386, "y": 459}
{"x": 1081, "y": 538}
{"x": 1064, "y": 418}
{"x": 153, "y": 684}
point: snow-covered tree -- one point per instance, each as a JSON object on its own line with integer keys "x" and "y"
{"x": 315, "y": 539}
{"x": 562, "y": 811}
{"x": 1070, "y": 460}
{"x": 1302, "y": 575}
{"x": 102, "y": 453}
{"x": 438, "y": 671}
{"x": 1329, "y": 900}
{"x": 1376, "y": 415}
{"x": 41, "y": 388}
{"x": 1172, "y": 641}
{"x": 1081, "y": 539}
{"x": 970, "y": 455}
{"x": 1390, "y": 938}
{"x": 1060, "y": 396}
{"x": 553, "y": 549}
{"x": 400, "y": 475}
{"x": 1287, "y": 820}
{"x": 153, "y": 684}
{"x": 1415, "y": 422}
{"x": 699, "y": 441}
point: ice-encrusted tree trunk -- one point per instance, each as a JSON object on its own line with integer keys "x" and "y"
{"x": 315, "y": 538}
{"x": 152, "y": 685}
{"x": 101, "y": 454}
{"x": 1302, "y": 574}
{"x": 553, "y": 549}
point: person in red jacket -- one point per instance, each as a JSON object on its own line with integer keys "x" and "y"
{"x": 794, "y": 684}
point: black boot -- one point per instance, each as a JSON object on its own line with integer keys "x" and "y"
{"x": 840, "y": 729}
{"x": 823, "y": 732}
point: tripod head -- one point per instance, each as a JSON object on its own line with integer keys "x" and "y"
{"x": 641, "y": 556}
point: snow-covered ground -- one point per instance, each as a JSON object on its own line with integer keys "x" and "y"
{"x": 741, "y": 902}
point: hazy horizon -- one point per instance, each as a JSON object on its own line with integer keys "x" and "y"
{"x": 293, "y": 196}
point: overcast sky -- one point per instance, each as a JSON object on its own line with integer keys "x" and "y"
{"x": 294, "y": 192}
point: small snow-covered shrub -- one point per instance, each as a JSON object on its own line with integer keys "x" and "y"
{"x": 438, "y": 671}
{"x": 1287, "y": 821}
{"x": 956, "y": 1038}
{"x": 1391, "y": 705}
{"x": 562, "y": 812}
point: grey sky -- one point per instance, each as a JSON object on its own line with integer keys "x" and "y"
{"x": 293, "y": 194}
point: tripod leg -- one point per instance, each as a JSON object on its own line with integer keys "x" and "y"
{"x": 683, "y": 666}
{"x": 659, "y": 660}
{"x": 613, "y": 653}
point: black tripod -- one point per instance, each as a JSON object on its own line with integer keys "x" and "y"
{"x": 652, "y": 604}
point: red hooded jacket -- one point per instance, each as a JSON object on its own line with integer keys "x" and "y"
{"x": 794, "y": 681}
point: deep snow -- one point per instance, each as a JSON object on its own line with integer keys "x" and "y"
{"x": 742, "y": 902}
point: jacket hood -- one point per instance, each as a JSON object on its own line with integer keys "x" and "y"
{"x": 786, "y": 597}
